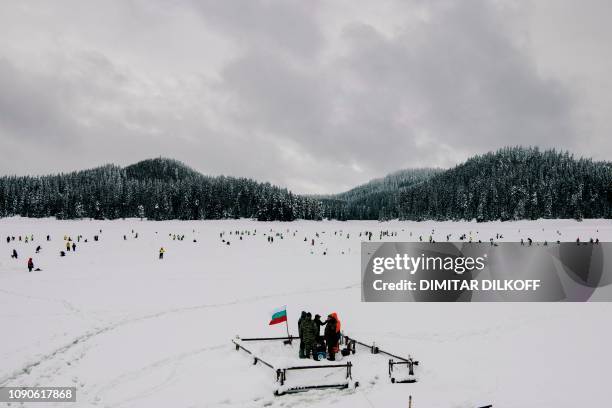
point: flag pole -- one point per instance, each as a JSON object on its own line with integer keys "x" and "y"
{"x": 287, "y": 324}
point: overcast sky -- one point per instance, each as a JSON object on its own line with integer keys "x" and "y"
{"x": 315, "y": 96}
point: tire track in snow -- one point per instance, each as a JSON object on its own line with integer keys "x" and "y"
{"x": 129, "y": 376}
{"x": 26, "y": 369}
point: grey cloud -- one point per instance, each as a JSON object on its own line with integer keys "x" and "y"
{"x": 95, "y": 113}
{"x": 461, "y": 80}
{"x": 290, "y": 26}
{"x": 31, "y": 108}
{"x": 453, "y": 84}
{"x": 292, "y": 95}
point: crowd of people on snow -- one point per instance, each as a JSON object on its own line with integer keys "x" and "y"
{"x": 312, "y": 343}
{"x": 26, "y": 239}
{"x": 69, "y": 243}
{"x": 320, "y": 241}
{"x": 317, "y": 243}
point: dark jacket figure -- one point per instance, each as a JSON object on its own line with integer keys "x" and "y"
{"x": 38, "y": 248}
{"x": 331, "y": 336}
{"x": 8, "y": 239}
{"x": 318, "y": 349}
{"x": 161, "y": 253}
{"x": 308, "y": 334}
{"x": 300, "y": 320}
{"x": 14, "y": 254}
{"x": 318, "y": 324}
{"x": 73, "y": 247}
{"x": 30, "y": 265}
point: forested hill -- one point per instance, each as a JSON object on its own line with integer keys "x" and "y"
{"x": 167, "y": 170}
{"x": 376, "y": 199}
{"x": 513, "y": 184}
{"x": 158, "y": 189}
{"x": 392, "y": 182}
{"x": 510, "y": 184}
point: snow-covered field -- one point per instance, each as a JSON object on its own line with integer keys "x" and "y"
{"x": 129, "y": 330}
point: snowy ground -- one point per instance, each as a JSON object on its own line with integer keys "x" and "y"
{"x": 129, "y": 330}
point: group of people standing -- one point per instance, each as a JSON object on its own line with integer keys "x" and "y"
{"x": 312, "y": 343}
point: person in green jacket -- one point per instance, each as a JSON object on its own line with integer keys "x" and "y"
{"x": 308, "y": 334}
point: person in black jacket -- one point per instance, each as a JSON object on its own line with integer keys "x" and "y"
{"x": 300, "y": 320}
{"x": 318, "y": 324}
{"x": 319, "y": 350}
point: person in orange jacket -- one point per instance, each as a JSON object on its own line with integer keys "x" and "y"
{"x": 332, "y": 335}
{"x": 338, "y": 324}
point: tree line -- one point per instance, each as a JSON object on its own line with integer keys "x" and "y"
{"x": 157, "y": 189}
{"x": 510, "y": 184}
{"x": 379, "y": 199}
{"x": 514, "y": 184}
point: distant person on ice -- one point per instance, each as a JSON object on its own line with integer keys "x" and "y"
{"x": 14, "y": 254}
{"x": 161, "y": 252}
{"x": 30, "y": 265}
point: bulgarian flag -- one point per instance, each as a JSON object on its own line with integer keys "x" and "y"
{"x": 279, "y": 315}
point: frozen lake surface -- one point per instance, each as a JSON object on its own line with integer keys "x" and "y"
{"x": 129, "y": 330}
